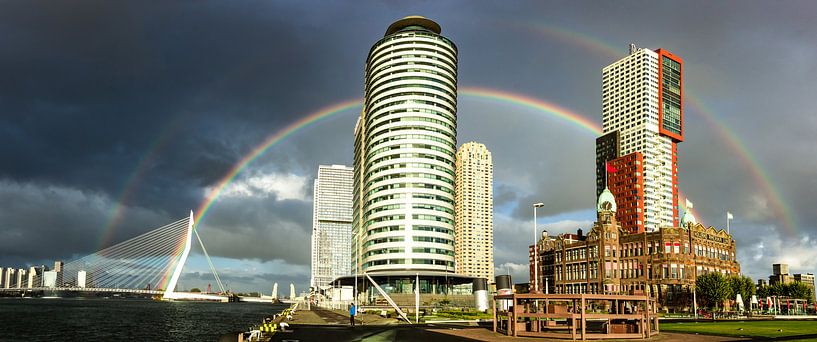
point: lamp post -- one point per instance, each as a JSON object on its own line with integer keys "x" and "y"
{"x": 535, "y": 250}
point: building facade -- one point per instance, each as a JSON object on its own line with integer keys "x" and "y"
{"x": 405, "y": 144}
{"x": 610, "y": 260}
{"x": 808, "y": 280}
{"x": 331, "y": 224}
{"x": 781, "y": 275}
{"x": 474, "y": 212}
{"x": 642, "y": 123}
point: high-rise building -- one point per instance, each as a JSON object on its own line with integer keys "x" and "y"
{"x": 642, "y": 122}
{"x": 9, "y": 278}
{"x": 58, "y": 266}
{"x": 331, "y": 224}
{"x": 474, "y": 212}
{"x": 21, "y": 278}
{"x": 405, "y": 144}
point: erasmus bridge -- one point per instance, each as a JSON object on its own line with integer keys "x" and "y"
{"x": 149, "y": 264}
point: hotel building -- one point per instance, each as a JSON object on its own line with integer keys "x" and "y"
{"x": 642, "y": 123}
{"x": 610, "y": 260}
{"x": 474, "y": 208}
{"x": 331, "y": 225}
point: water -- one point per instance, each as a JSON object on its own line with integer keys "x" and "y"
{"x": 97, "y": 319}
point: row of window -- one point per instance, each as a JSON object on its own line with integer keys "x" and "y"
{"x": 404, "y": 111}
{"x": 409, "y": 38}
{"x": 408, "y": 261}
{"x": 413, "y": 195}
{"x": 412, "y": 155}
{"x": 402, "y": 37}
{"x": 413, "y": 166}
{"x": 409, "y": 43}
{"x": 412, "y": 102}
{"x": 374, "y": 82}
{"x": 444, "y": 61}
{"x": 451, "y": 109}
{"x": 447, "y": 91}
{"x": 411, "y": 175}
{"x": 381, "y": 150}
{"x": 411, "y": 185}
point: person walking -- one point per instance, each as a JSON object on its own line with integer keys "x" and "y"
{"x": 352, "y": 313}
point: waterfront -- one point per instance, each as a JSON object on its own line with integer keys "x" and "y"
{"x": 98, "y": 319}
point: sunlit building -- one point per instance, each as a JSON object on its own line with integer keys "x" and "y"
{"x": 331, "y": 224}
{"x": 642, "y": 122}
{"x": 404, "y": 162}
{"x": 405, "y": 140}
{"x": 610, "y": 260}
{"x": 474, "y": 211}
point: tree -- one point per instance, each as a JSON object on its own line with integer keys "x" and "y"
{"x": 742, "y": 285}
{"x": 195, "y": 289}
{"x": 713, "y": 288}
{"x": 798, "y": 290}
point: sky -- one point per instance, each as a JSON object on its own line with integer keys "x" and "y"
{"x": 117, "y": 117}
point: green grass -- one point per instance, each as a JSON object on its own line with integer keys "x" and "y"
{"x": 458, "y": 315}
{"x": 767, "y": 329}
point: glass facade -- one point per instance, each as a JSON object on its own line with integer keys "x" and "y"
{"x": 405, "y": 143}
{"x": 671, "y": 95}
{"x": 331, "y": 224}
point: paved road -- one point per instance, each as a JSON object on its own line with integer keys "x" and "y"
{"x": 326, "y": 333}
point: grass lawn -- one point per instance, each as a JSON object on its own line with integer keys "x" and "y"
{"x": 458, "y": 315}
{"x": 768, "y": 329}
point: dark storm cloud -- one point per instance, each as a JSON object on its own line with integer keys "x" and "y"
{"x": 90, "y": 88}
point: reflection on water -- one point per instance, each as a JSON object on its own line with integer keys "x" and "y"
{"x": 78, "y": 319}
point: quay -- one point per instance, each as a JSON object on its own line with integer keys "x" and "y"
{"x": 322, "y": 324}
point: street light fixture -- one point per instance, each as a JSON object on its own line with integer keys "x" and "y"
{"x": 535, "y": 250}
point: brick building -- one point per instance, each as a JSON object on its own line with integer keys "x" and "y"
{"x": 663, "y": 264}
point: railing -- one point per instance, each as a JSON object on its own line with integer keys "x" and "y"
{"x": 82, "y": 289}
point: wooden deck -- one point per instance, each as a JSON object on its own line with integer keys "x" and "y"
{"x": 575, "y": 316}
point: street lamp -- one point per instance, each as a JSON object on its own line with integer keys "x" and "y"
{"x": 535, "y": 250}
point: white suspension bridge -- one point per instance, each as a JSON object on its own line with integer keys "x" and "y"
{"x": 149, "y": 264}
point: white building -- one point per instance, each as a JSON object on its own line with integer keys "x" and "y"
{"x": 405, "y": 141}
{"x": 50, "y": 279}
{"x": 32, "y": 277}
{"x": 641, "y": 100}
{"x": 81, "y": 279}
{"x": 9, "y": 278}
{"x": 331, "y": 224}
{"x": 21, "y": 278}
{"x": 474, "y": 222}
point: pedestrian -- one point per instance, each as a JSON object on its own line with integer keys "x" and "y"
{"x": 352, "y": 313}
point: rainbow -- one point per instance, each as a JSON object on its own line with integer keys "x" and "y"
{"x": 142, "y": 166}
{"x": 269, "y": 142}
{"x": 724, "y": 133}
{"x": 577, "y": 120}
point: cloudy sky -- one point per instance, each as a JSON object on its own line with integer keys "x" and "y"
{"x": 118, "y": 117}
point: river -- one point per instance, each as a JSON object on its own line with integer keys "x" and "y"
{"x": 98, "y": 319}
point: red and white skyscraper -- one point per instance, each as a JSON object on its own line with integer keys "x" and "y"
{"x": 642, "y": 122}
